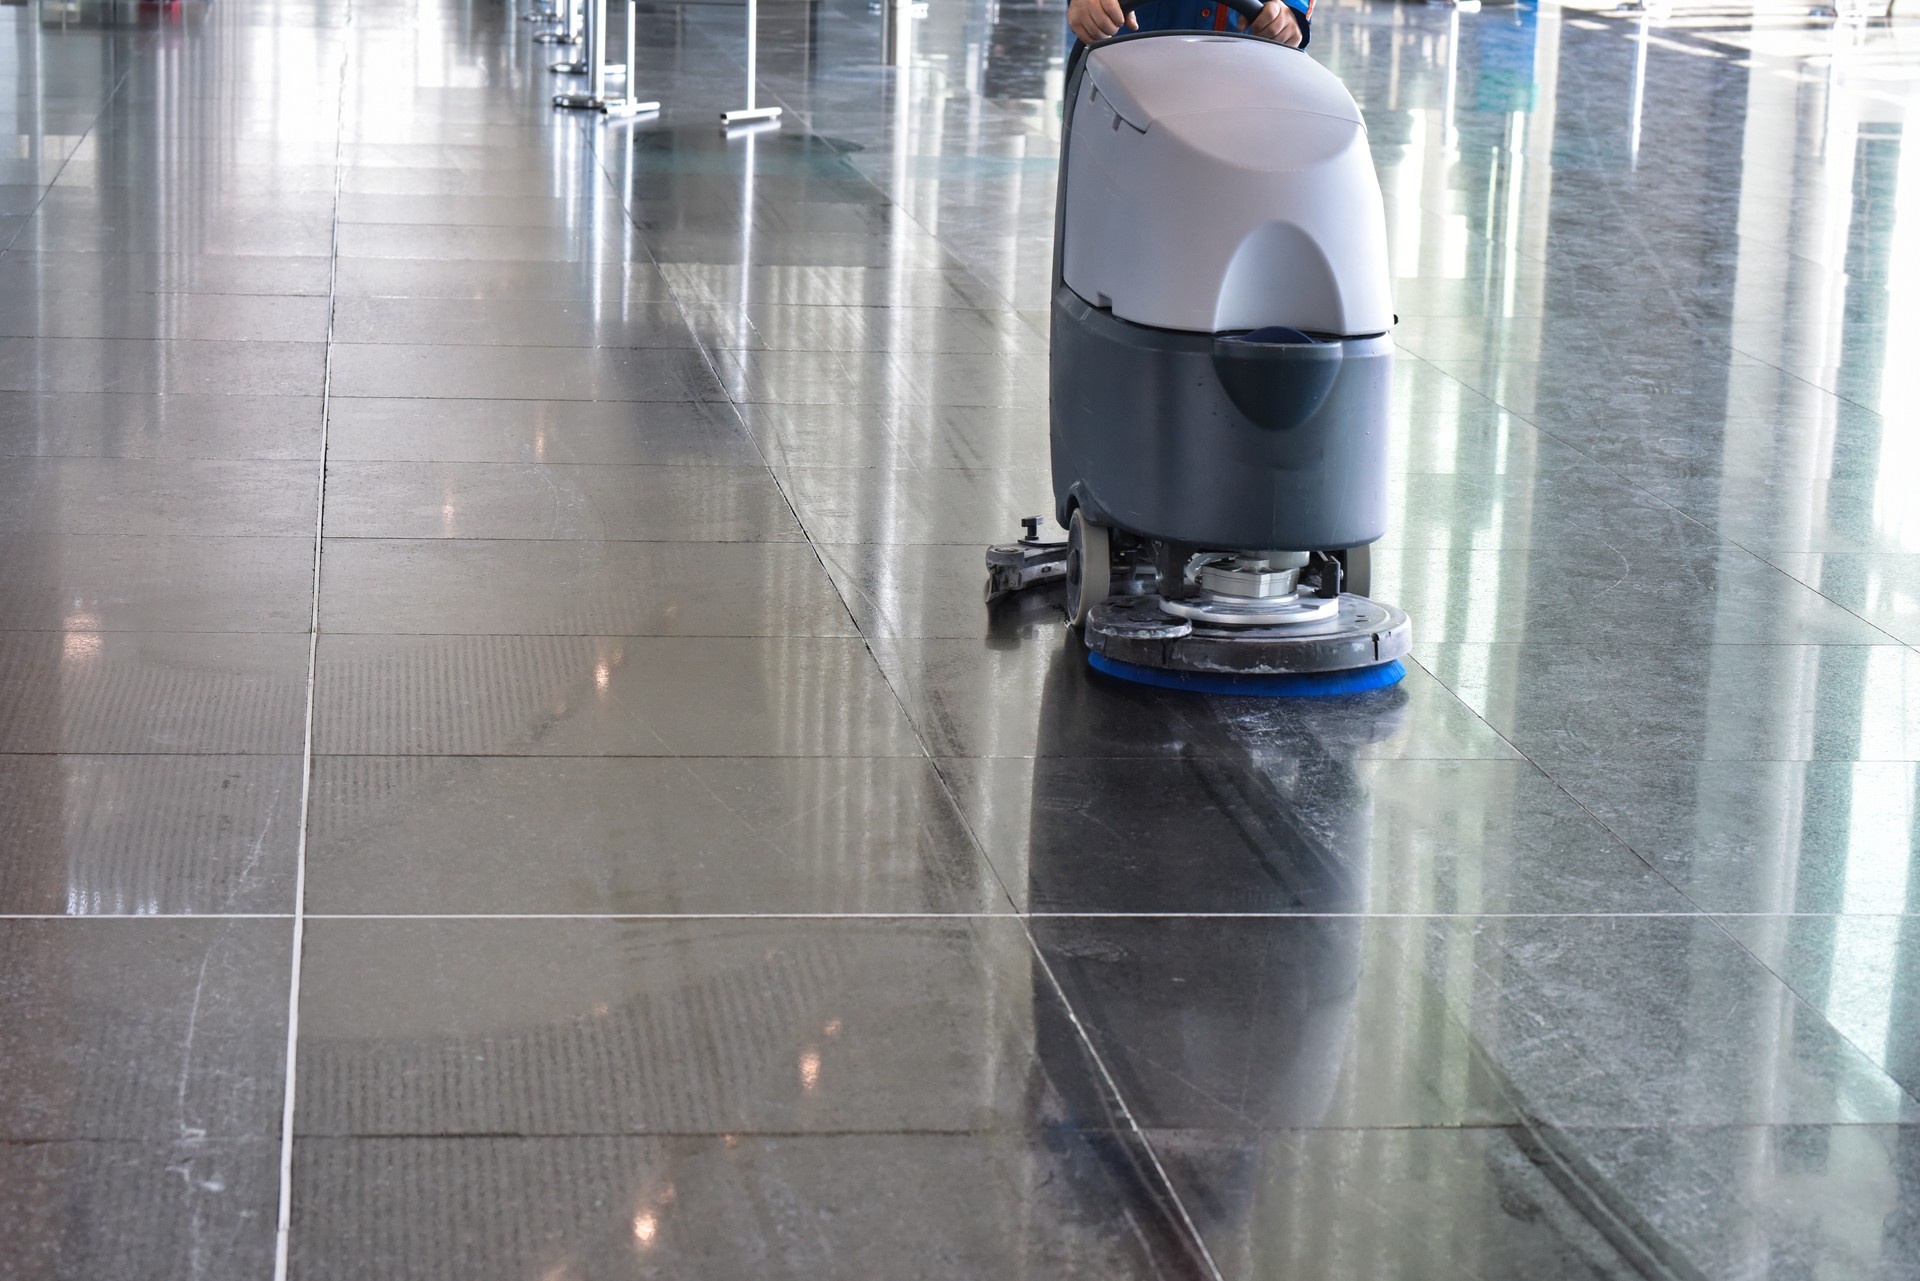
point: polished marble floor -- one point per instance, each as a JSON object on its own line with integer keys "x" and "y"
{"x": 505, "y": 773}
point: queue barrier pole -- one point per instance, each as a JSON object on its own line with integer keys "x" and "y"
{"x": 752, "y": 111}
{"x": 567, "y": 34}
{"x": 628, "y": 104}
{"x": 595, "y": 97}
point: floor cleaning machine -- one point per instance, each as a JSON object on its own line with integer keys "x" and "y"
{"x": 1221, "y": 371}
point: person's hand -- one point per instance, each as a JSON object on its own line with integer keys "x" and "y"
{"x": 1093, "y": 20}
{"x": 1276, "y": 22}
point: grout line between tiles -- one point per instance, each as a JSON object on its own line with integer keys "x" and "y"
{"x": 1177, "y": 1201}
{"x": 1005, "y": 915}
{"x": 283, "y": 1222}
{"x": 146, "y": 916}
{"x": 1008, "y": 915}
{"x": 989, "y": 915}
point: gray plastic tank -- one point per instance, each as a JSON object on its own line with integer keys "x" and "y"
{"x": 1215, "y": 193}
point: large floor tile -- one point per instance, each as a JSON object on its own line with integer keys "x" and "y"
{"x": 167, "y": 272}
{"x": 611, "y": 282}
{"x": 1883, "y": 589}
{"x": 660, "y": 433}
{"x": 546, "y": 1027}
{"x": 1474, "y": 437}
{"x": 1862, "y": 971}
{"x": 604, "y": 696}
{"x": 515, "y": 322}
{"x": 1235, "y": 1023}
{"x": 725, "y": 284}
{"x": 1577, "y": 507}
{"x": 848, "y": 505}
{"x": 475, "y": 211}
{"x": 161, "y": 692}
{"x": 578, "y": 588}
{"x": 124, "y": 835}
{"x": 520, "y": 373}
{"x": 461, "y": 242}
{"x": 121, "y": 583}
{"x": 1468, "y": 1204}
{"x": 982, "y": 439}
{"x": 214, "y": 317}
{"x": 175, "y": 365}
{"x": 1797, "y": 1201}
{"x": 1297, "y": 832}
{"x": 1600, "y": 591}
{"x": 1795, "y": 514}
{"x": 145, "y": 1211}
{"x": 120, "y": 226}
{"x": 555, "y": 501}
{"x": 1762, "y": 836}
{"x": 148, "y": 497}
{"x": 181, "y": 425}
{"x": 1068, "y": 1205}
{"x": 161, "y": 1031}
{"x": 1691, "y": 702}
{"x": 639, "y": 835}
{"x": 916, "y": 590}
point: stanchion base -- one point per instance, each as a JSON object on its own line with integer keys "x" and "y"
{"x": 622, "y": 107}
{"x": 745, "y": 114}
{"x": 581, "y": 101}
{"x": 568, "y": 68}
{"x": 554, "y": 37}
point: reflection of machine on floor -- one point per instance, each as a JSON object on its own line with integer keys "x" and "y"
{"x": 1226, "y": 1026}
{"x": 1221, "y": 370}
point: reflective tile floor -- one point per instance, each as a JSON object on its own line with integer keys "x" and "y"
{"x": 642, "y": 856}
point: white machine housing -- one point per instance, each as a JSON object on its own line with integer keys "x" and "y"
{"x": 1219, "y": 184}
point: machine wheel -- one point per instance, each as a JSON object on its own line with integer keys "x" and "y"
{"x": 1089, "y": 566}
{"x": 1356, "y": 565}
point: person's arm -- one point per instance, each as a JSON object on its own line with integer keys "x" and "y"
{"x": 1283, "y": 23}
{"x": 1094, "y": 20}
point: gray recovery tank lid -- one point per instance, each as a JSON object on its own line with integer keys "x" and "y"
{"x": 1148, "y": 80}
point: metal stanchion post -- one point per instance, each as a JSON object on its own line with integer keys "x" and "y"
{"x": 896, "y": 32}
{"x": 595, "y": 98}
{"x": 576, "y": 66}
{"x": 751, "y": 111}
{"x": 628, "y": 103}
{"x": 569, "y": 14}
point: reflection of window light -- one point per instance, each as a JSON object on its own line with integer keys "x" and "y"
{"x": 1866, "y": 943}
{"x": 1516, "y": 183}
{"x": 1899, "y": 460}
{"x": 1406, "y": 198}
